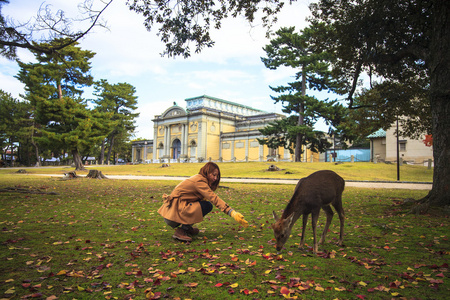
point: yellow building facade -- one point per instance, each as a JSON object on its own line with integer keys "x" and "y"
{"x": 209, "y": 129}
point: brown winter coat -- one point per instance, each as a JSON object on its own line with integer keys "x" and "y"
{"x": 182, "y": 204}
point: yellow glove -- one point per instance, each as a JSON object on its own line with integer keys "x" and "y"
{"x": 239, "y": 218}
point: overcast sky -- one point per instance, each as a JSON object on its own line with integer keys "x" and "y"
{"x": 232, "y": 70}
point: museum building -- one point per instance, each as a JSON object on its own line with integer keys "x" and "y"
{"x": 209, "y": 129}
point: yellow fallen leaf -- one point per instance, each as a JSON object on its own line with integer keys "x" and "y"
{"x": 319, "y": 289}
{"x": 362, "y": 283}
{"x": 62, "y": 272}
{"x": 267, "y": 271}
{"x": 234, "y": 285}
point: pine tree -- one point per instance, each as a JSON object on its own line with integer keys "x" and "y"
{"x": 120, "y": 101}
{"x": 53, "y": 86}
{"x": 297, "y": 50}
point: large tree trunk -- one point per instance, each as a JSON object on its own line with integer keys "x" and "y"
{"x": 299, "y": 137}
{"x": 111, "y": 144}
{"x": 36, "y": 148}
{"x": 36, "y": 152}
{"x": 12, "y": 152}
{"x": 77, "y": 160}
{"x": 102, "y": 153}
{"x": 440, "y": 103}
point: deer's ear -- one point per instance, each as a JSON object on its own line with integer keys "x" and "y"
{"x": 275, "y": 215}
{"x": 290, "y": 219}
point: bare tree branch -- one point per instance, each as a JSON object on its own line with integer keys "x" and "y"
{"x": 13, "y": 36}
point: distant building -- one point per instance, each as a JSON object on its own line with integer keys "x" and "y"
{"x": 383, "y": 147}
{"x": 208, "y": 129}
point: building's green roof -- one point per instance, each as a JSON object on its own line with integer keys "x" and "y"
{"x": 380, "y": 133}
{"x": 224, "y": 101}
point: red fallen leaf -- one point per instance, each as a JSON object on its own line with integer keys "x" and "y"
{"x": 284, "y": 290}
{"x": 156, "y": 295}
{"x": 280, "y": 277}
{"x": 218, "y": 285}
{"x": 444, "y": 265}
{"x": 370, "y": 290}
{"x": 230, "y": 291}
{"x": 26, "y": 285}
{"x": 35, "y": 295}
{"x": 361, "y": 296}
{"x": 438, "y": 281}
{"x": 440, "y": 275}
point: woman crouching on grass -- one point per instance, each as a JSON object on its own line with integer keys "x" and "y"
{"x": 192, "y": 199}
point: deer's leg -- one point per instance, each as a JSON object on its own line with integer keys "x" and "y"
{"x": 315, "y": 217}
{"x": 329, "y": 213}
{"x": 304, "y": 222}
{"x": 340, "y": 212}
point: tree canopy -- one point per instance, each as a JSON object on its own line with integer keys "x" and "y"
{"x": 182, "y": 22}
{"x": 403, "y": 46}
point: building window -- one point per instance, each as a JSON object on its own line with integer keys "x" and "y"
{"x": 402, "y": 146}
{"x": 254, "y": 144}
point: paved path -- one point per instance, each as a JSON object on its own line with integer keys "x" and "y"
{"x": 348, "y": 183}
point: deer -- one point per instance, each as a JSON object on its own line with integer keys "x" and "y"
{"x": 320, "y": 190}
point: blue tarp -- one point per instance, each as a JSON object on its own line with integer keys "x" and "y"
{"x": 346, "y": 155}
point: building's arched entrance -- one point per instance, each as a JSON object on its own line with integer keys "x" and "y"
{"x": 176, "y": 149}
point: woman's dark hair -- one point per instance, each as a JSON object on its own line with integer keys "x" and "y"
{"x": 209, "y": 168}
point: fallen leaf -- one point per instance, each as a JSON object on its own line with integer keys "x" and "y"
{"x": 191, "y": 284}
{"x": 284, "y": 290}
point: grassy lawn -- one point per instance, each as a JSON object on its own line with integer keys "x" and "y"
{"x": 103, "y": 239}
{"x": 289, "y": 170}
